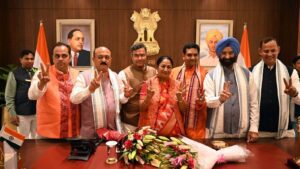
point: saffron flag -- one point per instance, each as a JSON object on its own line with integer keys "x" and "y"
{"x": 245, "y": 50}
{"x": 41, "y": 53}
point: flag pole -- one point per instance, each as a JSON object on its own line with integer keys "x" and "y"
{"x": 41, "y": 53}
{"x": 245, "y": 49}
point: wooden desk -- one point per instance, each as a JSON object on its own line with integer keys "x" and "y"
{"x": 50, "y": 154}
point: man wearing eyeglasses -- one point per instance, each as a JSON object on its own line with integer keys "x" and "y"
{"x": 278, "y": 87}
{"x": 51, "y": 86}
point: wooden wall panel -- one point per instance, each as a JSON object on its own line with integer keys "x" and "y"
{"x": 289, "y": 21}
{"x": 113, "y": 27}
{"x": 3, "y": 33}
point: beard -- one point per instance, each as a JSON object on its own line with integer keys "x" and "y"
{"x": 228, "y": 62}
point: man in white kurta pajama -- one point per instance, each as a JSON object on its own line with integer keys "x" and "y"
{"x": 98, "y": 92}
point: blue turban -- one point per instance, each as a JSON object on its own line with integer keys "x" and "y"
{"x": 231, "y": 42}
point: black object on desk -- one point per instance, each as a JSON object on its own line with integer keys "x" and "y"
{"x": 82, "y": 149}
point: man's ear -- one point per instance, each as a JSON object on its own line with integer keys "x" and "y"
{"x": 259, "y": 51}
{"x": 68, "y": 40}
{"x": 182, "y": 55}
{"x": 278, "y": 49}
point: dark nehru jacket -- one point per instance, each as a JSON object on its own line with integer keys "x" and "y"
{"x": 269, "y": 108}
{"x": 23, "y": 105}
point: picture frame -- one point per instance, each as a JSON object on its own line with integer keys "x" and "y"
{"x": 211, "y": 28}
{"x": 87, "y": 27}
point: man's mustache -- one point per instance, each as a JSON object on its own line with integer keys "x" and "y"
{"x": 103, "y": 63}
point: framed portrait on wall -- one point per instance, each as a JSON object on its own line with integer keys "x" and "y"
{"x": 208, "y": 33}
{"x": 87, "y": 27}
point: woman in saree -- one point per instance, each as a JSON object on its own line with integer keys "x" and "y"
{"x": 161, "y": 101}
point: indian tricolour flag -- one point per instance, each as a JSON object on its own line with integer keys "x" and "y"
{"x": 244, "y": 58}
{"x": 14, "y": 138}
{"x": 41, "y": 53}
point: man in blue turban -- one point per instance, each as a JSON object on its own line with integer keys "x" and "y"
{"x": 232, "y": 95}
{"x": 235, "y": 47}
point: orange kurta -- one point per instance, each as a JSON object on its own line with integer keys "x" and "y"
{"x": 195, "y": 116}
{"x": 56, "y": 116}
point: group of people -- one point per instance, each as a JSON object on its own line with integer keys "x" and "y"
{"x": 229, "y": 101}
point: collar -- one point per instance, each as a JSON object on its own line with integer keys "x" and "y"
{"x": 60, "y": 72}
{"x": 28, "y": 70}
{"x": 270, "y": 67}
{"x": 143, "y": 70}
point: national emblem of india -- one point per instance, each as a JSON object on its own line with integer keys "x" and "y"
{"x": 145, "y": 24}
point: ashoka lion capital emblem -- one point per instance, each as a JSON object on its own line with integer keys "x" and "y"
{"x": 145, "y": 24}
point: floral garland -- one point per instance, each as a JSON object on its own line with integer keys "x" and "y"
{"x": 144, "y": 146}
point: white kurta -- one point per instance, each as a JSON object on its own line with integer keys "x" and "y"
{"x": 81, "y": 92}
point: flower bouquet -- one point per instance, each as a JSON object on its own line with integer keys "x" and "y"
{"x": 208, "y": 157}
{"x": 144, "y": 146}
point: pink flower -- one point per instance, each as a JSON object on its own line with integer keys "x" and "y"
{"x": 128, "y": 144}
{"x": 178, "y": 160}
{"x": 191, "y": 163}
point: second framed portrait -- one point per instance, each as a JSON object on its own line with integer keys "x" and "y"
{"x": 208, "y": 33}
{"x": 80, "y": 35}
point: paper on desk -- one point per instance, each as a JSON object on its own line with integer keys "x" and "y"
{"x": 234, "y": 153}
{"x": 10, "y": 156}
{"x": 208, "y": 157}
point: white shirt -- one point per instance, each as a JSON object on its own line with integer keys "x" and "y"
{"x": 81, "y": 91}
{"x": 122, "y": 77}
{"x": 72, "y": 57}
{"x": 34, "y": 92}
